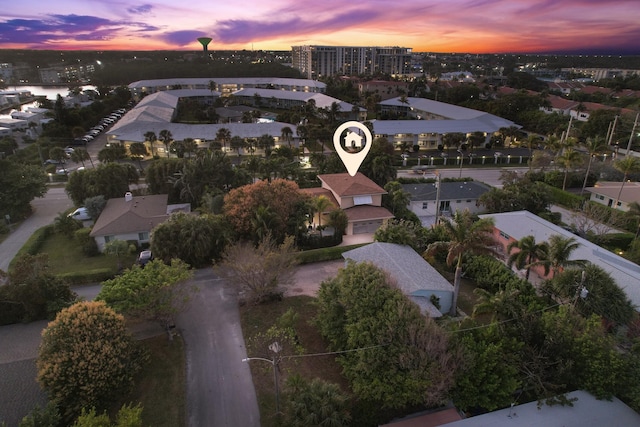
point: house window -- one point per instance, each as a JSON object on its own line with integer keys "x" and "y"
{"x": 599, "y": 197}
{"x": 362, "y": 200}
{"x": 425, "y": 205}
{"x": 504, "y": 235}
{"x": 144, "y": 236}
{"x": 107, "y": 239}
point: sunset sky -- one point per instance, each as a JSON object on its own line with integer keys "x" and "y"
{"x": 474, "y": 26}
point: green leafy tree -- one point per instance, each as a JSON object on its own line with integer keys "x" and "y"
{"x": 287, "y": 134}
{"x": 19, "y": 185}
{"x": 33, "y": 293}
{"x": 339, "y": 220}
{"x": 603, "y": 295}
{"x": 95, "y": 205}
{"x": 49, "y": 416}
{"x": 393, "y": 355}
{"x": 466, "y": 237}
{"x": 378, "y": 165}
{"x": 263, "y": 271}
{"x": 112, "y": 153}
{"x": 157, "y": 292}
{"x": 195, "y": 239}
{"x": 568, "y": 160}
{"x": 266, "y": 142}
{"x": 237, "y": 143}
{"x": 161, "y": 176}
{"x": 110, "y": 180}
{"x": 488, "y": 377}
{"x": 86, "y": 358}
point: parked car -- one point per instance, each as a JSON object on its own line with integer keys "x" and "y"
{"x": 52, "y": 162}
{"x": 81, "y": 214}
{"x": 144, "y": 257}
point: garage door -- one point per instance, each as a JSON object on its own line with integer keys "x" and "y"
{"x": 366, "y": 227}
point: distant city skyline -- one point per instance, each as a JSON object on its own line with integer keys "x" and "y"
{"x": 465, "y": 26}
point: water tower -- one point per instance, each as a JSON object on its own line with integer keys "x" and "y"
{"x": 204, "y": 41}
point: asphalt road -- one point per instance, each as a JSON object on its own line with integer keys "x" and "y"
{"x": 220, "y": 391}
{"x": 45, "y": 209}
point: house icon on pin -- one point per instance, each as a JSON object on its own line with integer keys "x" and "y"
{"x": 352, "y": 141}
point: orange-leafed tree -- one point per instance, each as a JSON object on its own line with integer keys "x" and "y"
{"x": 284, "y": 201}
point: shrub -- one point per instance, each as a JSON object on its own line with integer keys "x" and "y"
{"x": 87, "y": 358}
{"x": 88, "y": 243}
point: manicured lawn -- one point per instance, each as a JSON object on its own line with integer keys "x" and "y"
{"x": 65, "y": 256}
{"x": 258, "y": 318}
{"x": 162, "y": 387}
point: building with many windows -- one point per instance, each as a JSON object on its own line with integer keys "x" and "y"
{"x": 316, "y": 61}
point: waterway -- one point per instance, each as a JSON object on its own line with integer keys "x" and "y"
{"x": 50, "y": 92}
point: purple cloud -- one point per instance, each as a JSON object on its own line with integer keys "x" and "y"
{"x": 242, "y": 30}
{"x": 182, "y": 38}
{"x": 140, "y": 10}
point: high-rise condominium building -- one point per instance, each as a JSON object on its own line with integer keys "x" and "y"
{"x": 318, "y": 61}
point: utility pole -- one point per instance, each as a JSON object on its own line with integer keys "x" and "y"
{"x": 437, "y": 197}
{"x": 631, "y": 136}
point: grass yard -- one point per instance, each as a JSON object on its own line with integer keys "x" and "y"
{"x": 66, "y": 256}
{"x": 258, "y": 318}
{"x": 162, "y": 386}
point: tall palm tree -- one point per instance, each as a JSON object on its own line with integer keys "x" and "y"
{"x": 166, "y": 137}
{"x": 190, "y": 146}
{"x": 594, "y": 146}
{"x": 287, "y": 133}
{"x": 559, "y": 254}
{"x": 223, "y": 136}
{"x": 532, "y": 142}
{"x": 466, "y": 237}
{"x": 568, "y": 159}
{"x": 528, "y": 252}
{"x": 152, "y": 138}
{"x": 627, "y": 166}
{"x": 320, "y": 205}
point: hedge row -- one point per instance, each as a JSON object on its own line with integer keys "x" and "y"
{"x": 33, "y": 245}
{"x": 96, "y": 275}
{"x": 564, "y": 198}
{"x": 325, "y": 254}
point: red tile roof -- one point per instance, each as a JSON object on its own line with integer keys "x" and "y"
{"x": 344, "y": 184}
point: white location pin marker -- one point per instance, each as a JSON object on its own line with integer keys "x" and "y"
{"x": 352, "y": 159}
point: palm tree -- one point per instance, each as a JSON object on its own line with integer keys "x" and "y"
{"x": 568, "y": 159}
{"x": 223, "y": 136}
{"x": 634, "y": 212}
{"x": 80, "y": 155}
{"x": 286, "y": 134}
{"x": 320, "y": 205}
{"x": 528, "y": 252}
{"x": 152, "y": 138}
{"x": 532, "y": 142}
{"x": 237, "y": 143}
{"x": 166, "y": 137}
{"x": 466, "y": 237}
{"x": 190, "y": 146}
{"x": 627, "y": 165}
{"x": 263, "y": 222}
{"x": 559, "y": 254}
{"x": 594, "y": 146}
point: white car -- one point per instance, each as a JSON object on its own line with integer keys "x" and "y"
{"x": 81, "y": 214}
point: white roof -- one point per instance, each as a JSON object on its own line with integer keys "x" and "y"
{"x": 240, "y": 81}
{"x": 523, "y": 223}
{"x": 586, "y": 411}
{"x": 154, "y": 113}
{"x": 321, "y": 100}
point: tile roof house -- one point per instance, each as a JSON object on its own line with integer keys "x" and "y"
{"x": 359, "y": 197}
{"x": 132, "y": 218}
{"x": 454, "y": 196}
{"x": 414, "y": 276}
{"x": 513, "y": 226}
{"x": 606, "y": 193}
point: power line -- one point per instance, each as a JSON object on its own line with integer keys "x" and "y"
{"x": 294, "y": 356}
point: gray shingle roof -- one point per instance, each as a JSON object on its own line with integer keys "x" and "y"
{"x": 412, "y": 273}
{"x": 448, "y": 190}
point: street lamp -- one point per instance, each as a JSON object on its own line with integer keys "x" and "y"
{"x": 275, "y": 348}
